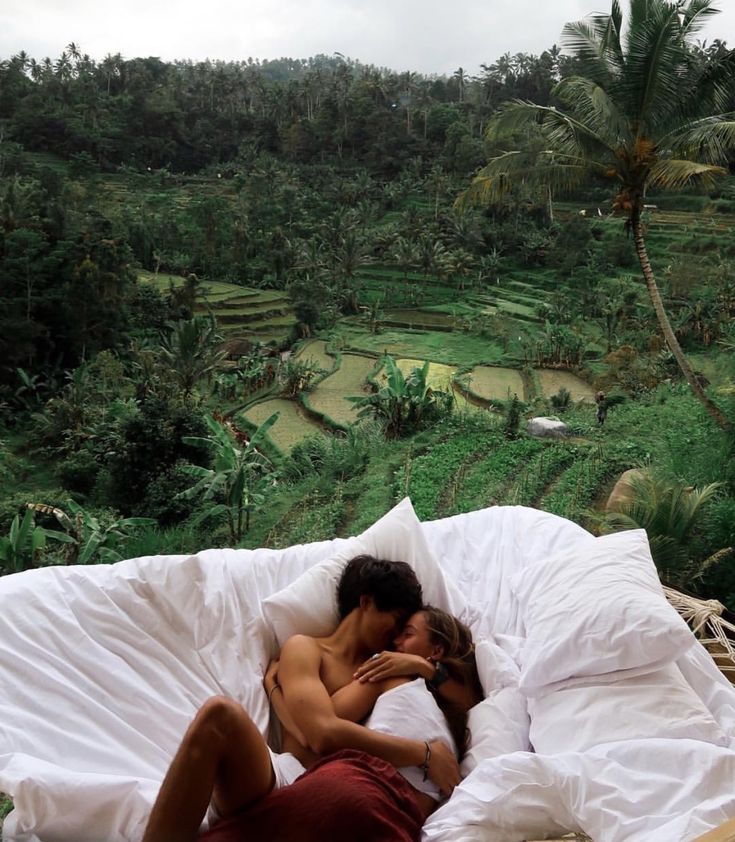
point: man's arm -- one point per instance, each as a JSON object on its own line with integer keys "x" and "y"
{"x": 275, "y": 698}
{"x": 311, "y": 708}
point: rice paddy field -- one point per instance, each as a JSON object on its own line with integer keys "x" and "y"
{"x": 293, "y": 424}
{"x": 552, "y": 380}
{"x": 434, "y": 329}
{"x": 241, "y": 312}
{"x": 495, "y": 383}
{"x": 330, "y": 396}
{"x": 316, "y": 351}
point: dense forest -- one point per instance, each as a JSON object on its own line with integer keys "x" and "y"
{"x": 257, "y": 302}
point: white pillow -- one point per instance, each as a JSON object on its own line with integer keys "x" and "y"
{"x": 495, "y": 667}
{"x": 660, "y": 704}
{"x": 309, "y": 604}
{"x": 596, "y": 609}
{"x": 498, "y": 725}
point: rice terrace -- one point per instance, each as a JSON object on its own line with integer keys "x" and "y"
{"x": 381, "y": 324}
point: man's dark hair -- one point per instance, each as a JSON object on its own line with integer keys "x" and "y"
{"x": 392, "y": 585}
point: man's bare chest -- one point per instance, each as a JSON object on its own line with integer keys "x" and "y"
{"x": 336, "y": 673}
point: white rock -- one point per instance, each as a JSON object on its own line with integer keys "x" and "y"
{"x": 547, "y": 428}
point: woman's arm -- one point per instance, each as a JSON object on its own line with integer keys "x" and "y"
{"x": 389, "y": 664}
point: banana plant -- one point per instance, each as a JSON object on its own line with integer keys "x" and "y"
{"x": 24, "y": 544}
{"x": 234, "y": 476}
{"x": 403, "y": 404}
{"x": 87, "y": 538}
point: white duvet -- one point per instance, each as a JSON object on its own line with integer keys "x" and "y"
{"x": 102, "y": 668}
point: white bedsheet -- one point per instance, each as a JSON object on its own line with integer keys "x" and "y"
{"x": 102, "y": 668}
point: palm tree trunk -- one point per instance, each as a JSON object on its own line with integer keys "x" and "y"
{"x": 663, "y": 320}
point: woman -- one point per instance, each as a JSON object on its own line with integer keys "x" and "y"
{"x": 422, "y": 690}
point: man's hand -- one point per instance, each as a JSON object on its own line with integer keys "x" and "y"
{"x": 443, "y": 767}
{"x": 391, "y": 664}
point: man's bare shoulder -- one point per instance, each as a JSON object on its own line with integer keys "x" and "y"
{"x": 301, "y": 645}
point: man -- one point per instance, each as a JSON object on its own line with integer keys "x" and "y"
{"x": 223, "y": 759}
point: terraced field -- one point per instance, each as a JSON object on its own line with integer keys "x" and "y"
{"x": 241, "y": 312}
{"x": 317, "y": 352}
{"x": 440, "y": 378}
{"x": 292, "y": 426}
{"x": 551, "y": 381}
{"x": 330, "y": 395}
{"x": 481, "y": 469}
{"x": 420, "y": 318}
{"x": 495, "y": 383}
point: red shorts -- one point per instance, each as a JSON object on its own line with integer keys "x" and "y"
{"x": 349, "y": 795}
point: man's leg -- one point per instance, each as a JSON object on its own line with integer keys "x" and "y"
{"x": 222, "y": 758}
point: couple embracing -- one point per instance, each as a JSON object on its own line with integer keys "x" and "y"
{"x": 373, "y": 720}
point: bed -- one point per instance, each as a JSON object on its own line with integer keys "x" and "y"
{"x": 581, "y": 657}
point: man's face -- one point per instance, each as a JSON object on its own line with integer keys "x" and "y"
{"x": 381, "y": 627}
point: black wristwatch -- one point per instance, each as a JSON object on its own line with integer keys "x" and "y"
{"x": 441, "y": 674}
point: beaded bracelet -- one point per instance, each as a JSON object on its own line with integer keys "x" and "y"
{"x": 427, "y": 760}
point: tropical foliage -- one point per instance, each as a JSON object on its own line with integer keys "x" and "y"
{"x": 88, "y": 537}
{"x": 641, "y": 112}
{"x": 671, "y": 513}
{"x": 238, "y": 477}
{"x": 23, "y": 545}
{"x": 404, "y": 404}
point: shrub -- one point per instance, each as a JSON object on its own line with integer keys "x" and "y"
{"x": 561, "y": 400}
{"x": 150, "y": 443}
{"x": 162, "y": 500}
{"x": 513, "y": 419}
{"x": 78, "y": 471}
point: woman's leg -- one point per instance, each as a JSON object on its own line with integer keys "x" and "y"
{"x": 222, "y": 758}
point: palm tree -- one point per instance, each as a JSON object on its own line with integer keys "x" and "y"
{"x": 670, "y": 512}
{"x": 405, "y": 254}
{"x": 460, "y": 75}
{"x": 192, "y": 349}
{"x": 644, "y": 112}
{"x": 350, "y": 254}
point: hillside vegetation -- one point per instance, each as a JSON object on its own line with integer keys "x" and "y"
{"x": 241, "y": 307}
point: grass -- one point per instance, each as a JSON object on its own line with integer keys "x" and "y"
{"x": 460, "y": 349}
{"x": 176, "y": 540}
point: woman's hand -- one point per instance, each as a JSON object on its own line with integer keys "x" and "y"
{"x": 270, "y": 679}
{"x": 443, "y": 767}
{"x": 391, "y": 664}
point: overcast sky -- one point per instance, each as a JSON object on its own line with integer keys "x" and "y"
{"x": 430, "y": 36}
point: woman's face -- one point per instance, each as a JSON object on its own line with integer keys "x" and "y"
{"x": 415, "y": 639}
